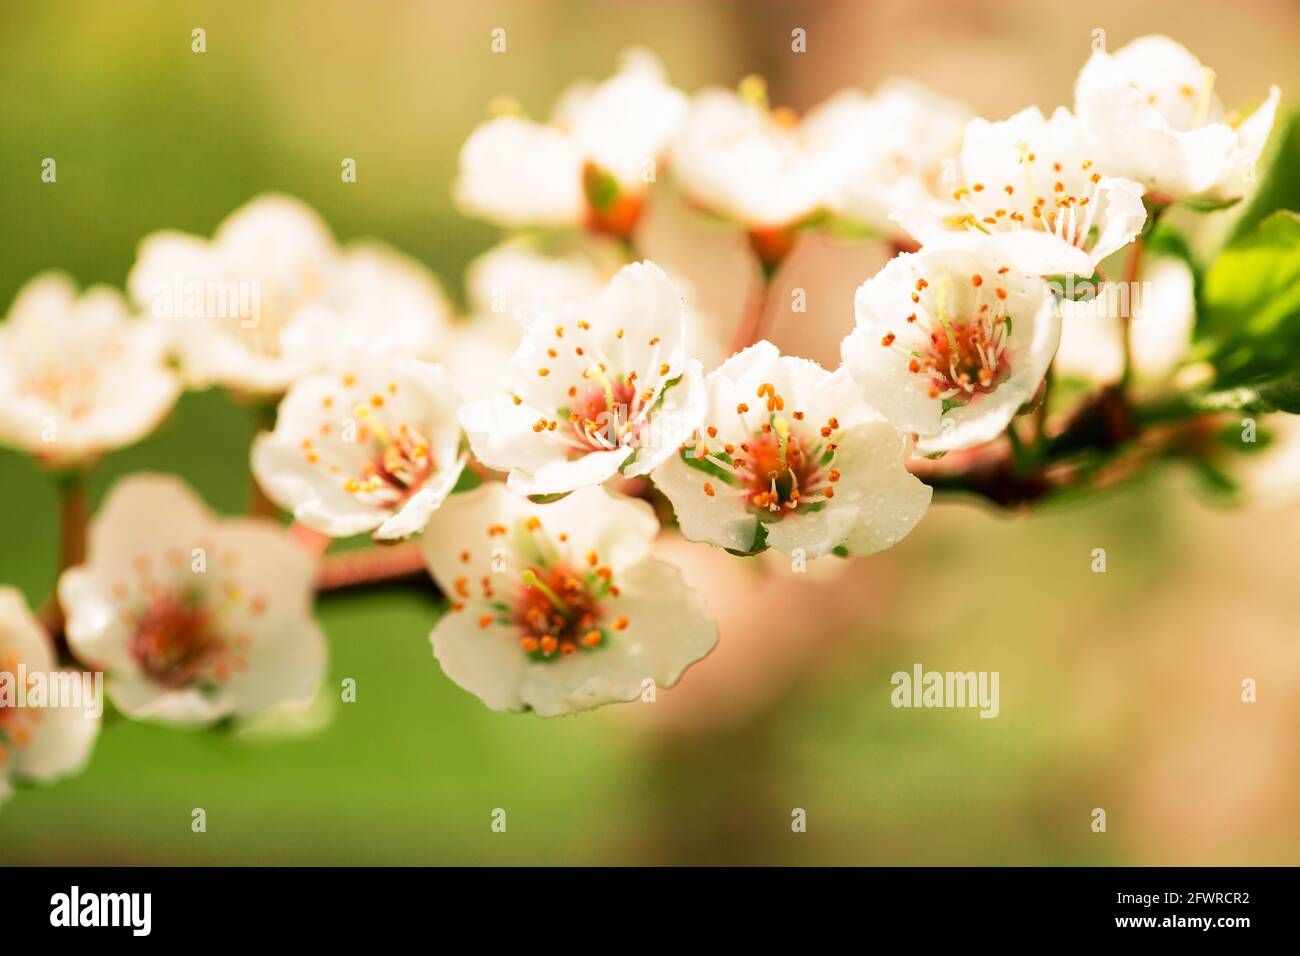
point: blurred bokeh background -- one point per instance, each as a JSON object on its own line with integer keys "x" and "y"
{"x": 1118, "y": 690}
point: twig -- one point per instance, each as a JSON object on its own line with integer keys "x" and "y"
{"x": 381, "y": 564}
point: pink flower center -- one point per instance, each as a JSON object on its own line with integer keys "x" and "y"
{"x": 558, "y": 608}
{"x": 604, "y": 409}
{"x": 398, "y": 457}
{"x": 176, "y": 644}
{"x": 964, "y": 351}
{"x": 784, "y": 464}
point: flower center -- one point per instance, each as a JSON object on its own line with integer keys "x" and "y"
{"x": 603, "y": 414}
{"x": 605, "y": 410}
{"x": 781, "y": 466}
{"x": 963, "y": 350}
{"x": 398, "y": 458}
{"x": 258, "y": 327}
{"x": 557, "y": 609}
{"x": 176, "y": 645}
{"x": 65, "y": 373}
{"x": 779, "y": 474}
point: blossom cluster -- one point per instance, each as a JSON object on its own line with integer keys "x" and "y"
{"x": 525, "y": 444}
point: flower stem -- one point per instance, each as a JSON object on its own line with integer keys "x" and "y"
{"x": 1131, "y": 265}
{"x": 750, "y": 329}
{"x": 373, "y": 566}
{"x": 1020, "y": 455}
{"x": 74, "y": 514}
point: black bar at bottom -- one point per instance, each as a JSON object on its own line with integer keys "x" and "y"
{"x": 242, "y": 904}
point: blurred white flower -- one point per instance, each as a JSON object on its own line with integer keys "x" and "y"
{"x": 951, "y": 342}
{"x": 1030, "y": 184}
{"x": 374, "y": 448}
{"x": 1151, "y": 112}
{"x": 765, "y": 168}
{"x": 376, "y": 302}
{"x": 590, "y": 165}
{"x": 790, "y": 455}
{"x": 481, "y": 348}
{"x": 901, "y": 164}
{"x": 598, "y": 387}
{"x": 79, "y": 375}
{"x": 559, "y": 607}
{"x": 271, "y": 297}
{"x": 1162, "y": 303}
{"x": 192, "y": 618}
{"x": 37, "y": 743}
{"x": 515, "y": 280}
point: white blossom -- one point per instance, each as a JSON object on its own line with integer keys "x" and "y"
{"x": 951, "y": 342}
{"x": 79, "y": 376}
{"x": 1151, "y": 114}
{"x": 192, "y": 618}
{"x": 559, "y": 607}
{"x": 373, "y": 448}
{"x": 789, "y": 455}
{"x": 599, "y": 387}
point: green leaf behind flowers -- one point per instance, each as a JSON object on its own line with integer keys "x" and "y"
{"x": 1250, "y": 329}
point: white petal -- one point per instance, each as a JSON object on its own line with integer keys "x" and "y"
{"x": 487, "y": 662}
{"x": 675, "y": 419}
{"x": 669, "y": 628}
{"x": 882, "y": 304}
{"x": 518, "y": 173}
{"x": 628, "y": 121}
{"x": 877, "y": 501}
{"x": 60, "y": 744}
{"x": 501, "y": 434}
{"x": 1120, "y": 218}
{"x": 559, "y": 476}
{"x": 721, "y": 519}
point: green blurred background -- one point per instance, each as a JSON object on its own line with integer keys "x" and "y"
{"x": 1119, "y": 691}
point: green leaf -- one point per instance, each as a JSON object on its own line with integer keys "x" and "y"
{"x": 1250, "y": 329}
{"x": 1213, "y": 481}
{"x": 1281, "y": 394}
{"x": 1280, "y": 188}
